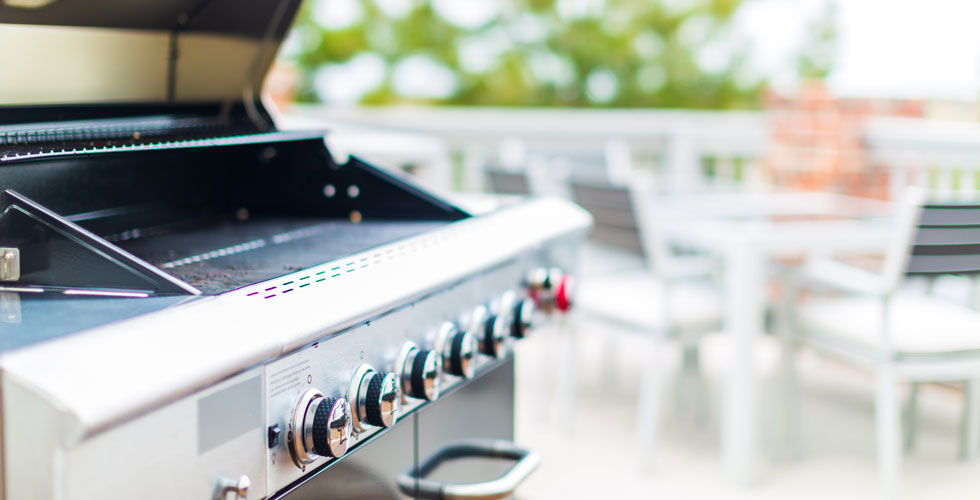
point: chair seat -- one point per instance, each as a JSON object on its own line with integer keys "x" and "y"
{"x": 600, "y": 260}
{"x": 635, "y": 299}
{"x": 919, "y": 325}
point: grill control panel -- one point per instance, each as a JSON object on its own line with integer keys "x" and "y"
{"x": 345, "y": 388}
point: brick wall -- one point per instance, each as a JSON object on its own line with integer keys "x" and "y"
{"x": 816, "y": 141}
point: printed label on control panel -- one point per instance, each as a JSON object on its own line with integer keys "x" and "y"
{"x": 290, "y": 378}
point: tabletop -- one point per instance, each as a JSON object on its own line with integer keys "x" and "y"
{"x": 777, "y": 223}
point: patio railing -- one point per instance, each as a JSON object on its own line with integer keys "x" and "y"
{"x": 941, "y": 156}
{"x": 681, "y": 146}
{"x": 684, "y": 149}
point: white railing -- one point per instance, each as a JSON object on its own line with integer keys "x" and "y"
{"x": 941, "y": 156}
{"x": 685, "y": 149}
{"x": 675, "y": 143}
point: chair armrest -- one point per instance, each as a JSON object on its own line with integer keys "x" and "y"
{"x": 843, "y": 277}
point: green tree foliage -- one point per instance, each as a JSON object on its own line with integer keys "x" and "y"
{"x": 816, "y": 57}
{"x": 623, "y": 53}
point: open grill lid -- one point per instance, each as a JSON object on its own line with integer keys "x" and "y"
{"x": 136, "y": 158}
{"x": 98, "y": 59}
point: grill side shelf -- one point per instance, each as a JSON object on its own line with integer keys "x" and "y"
{"x": 54, "y": 253}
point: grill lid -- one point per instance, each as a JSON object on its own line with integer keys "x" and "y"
{"x": 150, "y": 52}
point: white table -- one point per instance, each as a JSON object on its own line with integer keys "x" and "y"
{"x": 748, "y": 231}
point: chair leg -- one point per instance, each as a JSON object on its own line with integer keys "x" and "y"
{"x": 608, "y": 367}
{"x": 789, "y": 397}
{"x": 700, "y": 388}
{"x": 888, "y": 427}
{"x": 790, "y": 426}
{"x": 649, "y": 407}
{"x": 970, "y": 423}
{"x": 912, "y": 417}
{"x": 688, "y": 390}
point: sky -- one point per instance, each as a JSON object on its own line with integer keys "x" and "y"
{"x": 886, "y": 48}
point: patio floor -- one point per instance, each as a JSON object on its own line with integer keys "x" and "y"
{"x": 588, "y": 454}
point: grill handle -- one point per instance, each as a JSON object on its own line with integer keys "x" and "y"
{"x": 413, "y": 480}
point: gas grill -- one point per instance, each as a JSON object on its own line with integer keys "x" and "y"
{"x": 196, "y": 305}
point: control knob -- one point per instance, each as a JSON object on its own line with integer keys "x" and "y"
{"x": 420, "y": 371}
{"x": 523, "y": 318}
{"x": 458, "y": 351}
{"x": 321, "y": 427}
{"x": 376, "y": 398}
{"x": 518, "y": 313}
{"x": 491, "y": 330}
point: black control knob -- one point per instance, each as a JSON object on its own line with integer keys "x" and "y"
{"x": 383, "y": 400}
{"x": 523, "y": 318}
{"x": 458, "y": 351}
{"x": 493, "y": 336}
{"x": 331, "y": 427}
{"x": 489, "y": 335}
{"x": 420, "y": 374}
{"x": 376, "y": 398}
{"x": 321, "y": 427}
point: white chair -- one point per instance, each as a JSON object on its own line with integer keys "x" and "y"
{"x": 902, "y": 335}
{"x": 666, "y": 297}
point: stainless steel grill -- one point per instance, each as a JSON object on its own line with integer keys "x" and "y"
{"x": 196, "y": 305}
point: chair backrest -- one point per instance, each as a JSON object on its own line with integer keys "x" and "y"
{"x": 933, "y": 239}
{"x": 947, "y": 240}
{"x": 508, "y": 182}
{"x": 614, "y": 217}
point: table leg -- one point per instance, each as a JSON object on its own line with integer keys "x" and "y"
{"x": 744, "y": 321}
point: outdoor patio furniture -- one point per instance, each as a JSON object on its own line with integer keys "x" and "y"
{"x": 750, "y": 231}
{"x": 902, "y": 335}
{"x": 668, "y": 297}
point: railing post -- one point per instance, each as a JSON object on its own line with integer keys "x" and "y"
{"x": 475, "y": 160}
{"x": 968, "y": 182}
{"x": 944, "y": 182}
{"x": 682, "y": 164}
{"x": 619, "y": 161}
{"x": 898, "y": 178}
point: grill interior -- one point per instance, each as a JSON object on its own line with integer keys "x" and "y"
{"x": 207, "y": 216}
{"x": 226, "y": 255}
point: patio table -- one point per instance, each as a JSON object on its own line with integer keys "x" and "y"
{"x": 749, "y": 230}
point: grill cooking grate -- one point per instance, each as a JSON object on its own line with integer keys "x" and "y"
{"x": 230, "y": 255}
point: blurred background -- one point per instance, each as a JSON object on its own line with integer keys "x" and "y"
{"x": 760, "y": 313}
